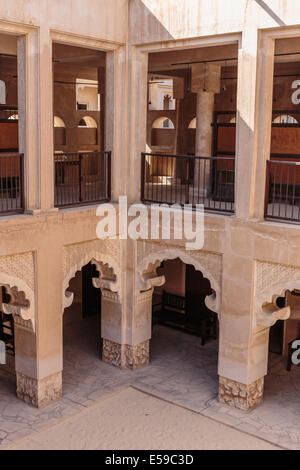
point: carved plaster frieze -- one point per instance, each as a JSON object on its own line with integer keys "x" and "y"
{"x": 40, "y": 392}
{"x": 105, "y": 254}
{"x": 18, "y": 278}
{"x": 20, "y": 318}
{"x": 150, "y": 255}
{"x": 110, "y": 296}
{"x": 125, "y": 356}
{"x": 271, "y": 282}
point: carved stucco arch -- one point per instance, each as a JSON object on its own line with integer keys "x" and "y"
{"x": 267, "y": 310}
{"x": 271, "y": 282}
{"x": 23, "y": 306}
{"x": 147, "y": 277}
{"x": 108, "y": 269}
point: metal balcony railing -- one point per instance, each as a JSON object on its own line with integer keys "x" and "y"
{"x": 82, "y": 178}
{"x": 185, "y": 179}
{"x": 283, "y": 189}
{"x": 11, "y": 183}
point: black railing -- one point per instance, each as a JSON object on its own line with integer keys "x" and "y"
{"x": 282, "y": 200}
{"x": 11, "y": 183}
{"x": 185, "y": 179}
{"x": 82, "y": 178}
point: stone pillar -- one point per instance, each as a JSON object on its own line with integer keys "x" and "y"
{"x": 30, "y": 388}
{"x": 35, "y": 87}
{"x": 239, "y": 395}
{"x": 126, "y": 348}
{"x": 137, "y": 119}
{"x": 204, "y": 136}
{"x": 243, "y": 347}
{"x": 206, "y": 81}
{"x": 38, "y": 344}
{"x": 254, "y": 118}
{"x": 116, "y": 118}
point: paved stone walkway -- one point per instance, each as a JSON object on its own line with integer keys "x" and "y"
{"x": 181, "y": 371}
{"x": 134, "y": 420}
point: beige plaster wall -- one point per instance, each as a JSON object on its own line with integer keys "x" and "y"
{"x": 238, "y": 242}
{"x": 150, "y": 20}
{"x": 98, "y": 20}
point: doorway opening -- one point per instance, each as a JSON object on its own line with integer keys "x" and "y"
{"x": 82, "y": 327}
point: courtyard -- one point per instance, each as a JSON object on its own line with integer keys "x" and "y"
{"x": 181, "y": 382}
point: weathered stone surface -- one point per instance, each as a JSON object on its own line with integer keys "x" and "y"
{"x": 241, "y": 396}
{"x": 125, "y": 356}
{"x": 39, "y": 393}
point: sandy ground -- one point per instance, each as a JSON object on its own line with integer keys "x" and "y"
{"x": 134, "y": 420}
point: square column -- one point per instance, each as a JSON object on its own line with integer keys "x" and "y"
{"x": 35, "y": 95}
{"x": 38, "y": 344}
{"x": 239, "y": 395}
{"x": 39, "y": 393}
{"x": 129, "y": 350}
{"x": 206, "y": 82}
{"x": 243, "y": 349}
{"x": 254, "y": 117}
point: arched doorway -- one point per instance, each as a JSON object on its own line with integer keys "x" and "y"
{"x": 17, "y": 328}
{"x": 82, "y": 343}
{"x": 184, "y": 345}
{"x": 180, "y": 302}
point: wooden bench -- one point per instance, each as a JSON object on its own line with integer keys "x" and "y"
{"x": 177, "y": 312}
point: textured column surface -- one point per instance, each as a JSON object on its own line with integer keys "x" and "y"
{"x": 241, "y": 396}
{"x": 41, "y": 392}
{"x": 204, "y": 132}
{"x": 125, "y": 356}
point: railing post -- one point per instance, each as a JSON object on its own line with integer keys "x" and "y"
{"x": 80, "y": 177}
{"x": 22, "y": 182}
{"x": 108, "y": 175}
{"x": 267, "y": 189}
{"x": 143, "y": 163}
{"x": 187, "y": 182}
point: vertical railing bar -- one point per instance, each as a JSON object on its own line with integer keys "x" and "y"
{"x": 287, "y": 189}
{"x": 274, "y": 188}
{"x": 280, "y": 192}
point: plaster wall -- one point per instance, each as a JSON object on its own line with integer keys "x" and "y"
{"x": 245, "y": 256}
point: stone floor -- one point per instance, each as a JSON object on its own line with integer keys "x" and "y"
{"x": 133, "y": 420}
{"x": 181, "y": 371}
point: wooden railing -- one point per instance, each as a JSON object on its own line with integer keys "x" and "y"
{"x": 185, "y": 179}
{"x": 282, "y": 201}
{"x": 82, "y": 178}
{"x": 11, "y": 183}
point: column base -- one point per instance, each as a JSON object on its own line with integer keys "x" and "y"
{"x": 41, "y": 392}
{"x": 125, "y": 356}
{"x": 241, "y": 396}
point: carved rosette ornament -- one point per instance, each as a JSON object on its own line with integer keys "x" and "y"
{"x": 125, "y": 356}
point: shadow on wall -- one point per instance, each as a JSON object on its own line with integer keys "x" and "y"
{"x": 138, "y": 13}
{"x": 270, "y": 12}
{"x": 141, "y": 14}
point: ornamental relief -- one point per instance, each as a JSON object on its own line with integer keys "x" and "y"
{"x": 105, "y": 254}
{"x": 151, "y": 254}
{"x": 17, "y": 276}
{"x": 272, "y": 281}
